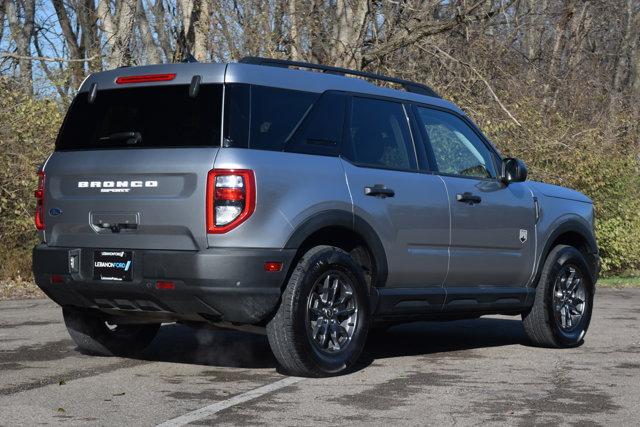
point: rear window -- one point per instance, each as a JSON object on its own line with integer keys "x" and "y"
{"x": 147, "y": 117}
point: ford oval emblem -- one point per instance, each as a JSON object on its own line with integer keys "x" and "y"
{"x": 55, "y": 211}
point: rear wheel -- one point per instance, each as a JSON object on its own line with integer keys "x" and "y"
{"x": 563, "y": 304}
{"x": 94, "y": 335}
{"x": 321, "y": 325}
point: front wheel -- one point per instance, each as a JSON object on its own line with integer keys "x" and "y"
{"x": 563, "y": 304}
{"x": 321, "y": 325}
{"x": 96, "y": 336}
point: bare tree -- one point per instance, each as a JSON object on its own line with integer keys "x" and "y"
{"x": 151, "y": 48}
{"x": 193, "y": 35}
{"x": 2, "y": 13}
{"x": 118, "y": 29}
{"x": 202, "y": 30}
{"x": 161, "y": 23}
{"x": 21, "y": 14}
{"x": 75, "y": 46}
{"x": 623, "y": 63}
{"x": 349, "y": 31}
{"x": 88, "y": 22}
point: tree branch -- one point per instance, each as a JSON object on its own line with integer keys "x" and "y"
{"x": 477, "y": 73}
{"x": 421, "y": 27}
{"x": 45, "y": 58}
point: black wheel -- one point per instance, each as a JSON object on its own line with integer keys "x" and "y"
{"x": 96, "y": 336}
{"x": 561, "y": 312}
{"x": 321, "y": 325}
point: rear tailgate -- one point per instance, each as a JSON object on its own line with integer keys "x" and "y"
{"x": 131, "y": 160}
{"x": 139, "y": 199}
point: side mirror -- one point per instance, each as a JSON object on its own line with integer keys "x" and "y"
{"x": 513, "y": 170}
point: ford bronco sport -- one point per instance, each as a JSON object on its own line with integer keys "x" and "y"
{"x": 293, "y": 197}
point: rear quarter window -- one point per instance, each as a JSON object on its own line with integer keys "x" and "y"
{"x": 143, "y": 117}
{"x": 264, "y": 118}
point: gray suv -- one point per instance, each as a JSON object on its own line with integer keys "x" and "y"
{"x": 299, "y": 199}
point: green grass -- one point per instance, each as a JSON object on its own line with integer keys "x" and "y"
{"x": 627, "y": 280}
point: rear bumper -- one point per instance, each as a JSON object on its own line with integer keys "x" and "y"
{"x": 216, "y": 285}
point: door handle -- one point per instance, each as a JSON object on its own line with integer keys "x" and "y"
{"x": 114, "y": 221}
{"x": 379, "y": 190}
{"x": 469, "y": 198}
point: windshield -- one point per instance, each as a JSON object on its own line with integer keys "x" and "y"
{"x": 143, "y": 117}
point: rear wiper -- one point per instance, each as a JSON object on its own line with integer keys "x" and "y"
{"x": 131, "y": 138}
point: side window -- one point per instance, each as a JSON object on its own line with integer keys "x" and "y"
{"x": 269, "y": 114}
{"x": 237, "y": 111}
{"x": 321, "y": 130}
{"x": 456, "y": 147}
{"x": 379, "y": 135}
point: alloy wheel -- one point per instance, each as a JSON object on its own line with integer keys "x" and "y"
{"x": 332, "y": 312}
{"x": 569, "y": 298}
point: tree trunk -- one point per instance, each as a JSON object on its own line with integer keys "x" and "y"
{"x": 560, "y": 37}
{"x": 121, "y": 53}
{"x": 108, "y": 26}
{"x": 623, "y": 63}
{"x": 160, "y": 20}
{"x": 22, "y": 34}
{"x": 635, "y": 73}
{"x": 317, "y": 33}
{"x": 636, "y": 58}
{"x": 150, "y": 47}
{"x": 88, "y": 21}
{"x": 348, "y": 32}
{"x": 2, "y": 12}
{"x": 534, "y": 28}
{"x": 193, "y": 37}
{"x": 76, "y": 51}
{"x": 118, "y": 30}
{"x": 278, "y": 31}
{"x": 185, "y": 38}
{"x": 202, "y": 30}
{"x": 295, "y": 32}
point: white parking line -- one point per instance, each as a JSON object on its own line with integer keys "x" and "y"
{"x": 207, "y": 411}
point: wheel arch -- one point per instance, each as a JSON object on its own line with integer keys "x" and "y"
{"x": 574, "y": 233}
{"x": 348, "y": 232}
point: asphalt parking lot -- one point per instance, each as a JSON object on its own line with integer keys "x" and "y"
{"x": 462, "y": 372}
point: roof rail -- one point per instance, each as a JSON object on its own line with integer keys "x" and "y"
{"x": 409, "y": 86}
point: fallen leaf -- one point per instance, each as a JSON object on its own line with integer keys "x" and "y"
{"x": 119, "y": 394}
{"x": 61, "y": 410}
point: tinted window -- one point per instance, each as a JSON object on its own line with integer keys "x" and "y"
{"x": 269, "y": 114}
{"x": 160, "y": 116}
{"x": 379, "y": 135}
{"x": 236, "y": 115}
{"x": 321, "y": 130}
{"x": 457, "y": 149}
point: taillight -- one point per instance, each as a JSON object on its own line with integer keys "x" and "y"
{"x": 145, "y": 78}
{"x": 39, "y": 193}
{"x": 231, "y": 198}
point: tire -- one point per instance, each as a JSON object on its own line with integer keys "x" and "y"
{"x": 301, "y": 328}
{"x": 92, "y": 335}
{"x": 546, "y": 324}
